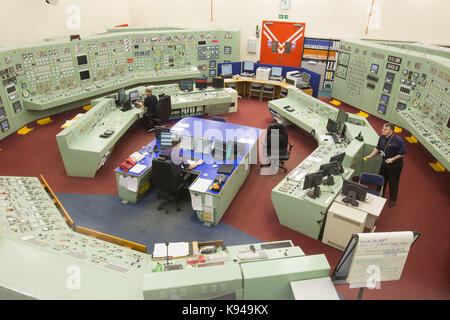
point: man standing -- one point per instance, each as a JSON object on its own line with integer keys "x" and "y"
{"x": 392, "y": 149}
{"x": 149, "y": 106}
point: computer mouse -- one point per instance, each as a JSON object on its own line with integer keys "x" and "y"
{"x": 214, "y": 166}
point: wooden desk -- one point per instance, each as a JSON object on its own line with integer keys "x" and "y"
{"x": 243, "y": 85}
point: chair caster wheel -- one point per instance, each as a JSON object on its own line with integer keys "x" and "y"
{"x": 167, "y": 211}
{"x": 159, "y": 208}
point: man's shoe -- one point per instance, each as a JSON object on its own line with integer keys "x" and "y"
{"x": 391, "y": 203}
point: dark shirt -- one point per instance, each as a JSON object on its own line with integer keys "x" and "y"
{"x": 179, "y": 161}
{"x": 391, "y": 147}
{"x": 150, "y": 103}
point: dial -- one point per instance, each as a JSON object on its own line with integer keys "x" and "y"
{"x": 25, "y": 93}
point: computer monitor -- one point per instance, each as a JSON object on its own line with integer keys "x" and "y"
{"x": 133, "y": 95}
{"x": 313, "y": 180}
{"x": 248, "y": 66}
{"x": 220, "y": 149}
{"x": 163, "y": 108}
{"x": 122, "y": 97}
{"x": 339, "y": 158}
{"x": 331, "y": 169}
{"x": 305, "y": 78}
{"x": 218, "y": 83}
{"x": 201, "y": 83}
{"x": 353, "y": 191}
{"x": 276, "y": 71}
{"x": 188, "y": 143}
{"x": 226, "y": 69}
{"x": 332, "y": 126}
{"x": 342, "y": 117}
{"x": 203, "y": 146}
{"x": 159, "y": 130}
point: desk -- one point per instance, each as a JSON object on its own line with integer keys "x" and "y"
{"x": 209, "y": 205}
{"x": 294, "y": 209}
{"x": 243, "y": 89}
{"x": 372, "y": 207}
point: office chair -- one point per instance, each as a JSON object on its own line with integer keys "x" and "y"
{"x": 279, "y": 131}
{"x": 372, "y": 180}
{"x": 255, "y": 90}
{"x": 268, "y": 91}
{"x": 169, "y": 181}
{"x": 220, "y": 119}
{"x": 163, "y": 110}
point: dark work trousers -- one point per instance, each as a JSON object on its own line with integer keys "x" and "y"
{"x": 147, "y": 122}
{"x": 391, "y": 174}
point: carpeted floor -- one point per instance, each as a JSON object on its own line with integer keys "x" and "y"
{"x": 423, "y": 202}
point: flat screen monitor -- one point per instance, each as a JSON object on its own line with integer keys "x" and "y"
{"x": 133, "y": 95}
{"x": 390, "y": 77}
{"x": 305, "y": 77}
{"x": 159, "y": 130}
{"x": 248, "y": 66}
{"x": 353, "y": 191}
{"x": 82, "y": 60}
{"x": 187, "y": 143}
{"x": 218, "y": 83}
{"x": 227, "y": 50}
{"x": 212, "y": 73}
{"x": 122, "y": 96}
{"x": 338, "y": 158}
{"x": 342, "y": 117}
{"x": 331, "y": 168}
{"x": 5, "y": 125}
{"x": 313, "y": 180}
{"x": 332, "y": 126}
{"x": 212, "y": 63}
{"x": 203, "y": 146}
{"x": 2, "y": 112}
{"x": 227, "y": 69}
{"x": 374, "y": 68}
{"x": 384, "y": 99}
{"x": 201, "y": 83}
{"x": 276, "y": 71}
{"x": 85, "y": 75}
{"x": 387, "y": 88}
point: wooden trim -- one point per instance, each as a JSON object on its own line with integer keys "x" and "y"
{"x": 55, "y": 200}
{"x": 106, "y": 237}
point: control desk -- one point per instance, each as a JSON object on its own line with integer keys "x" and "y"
{"x": 295, "y": 209}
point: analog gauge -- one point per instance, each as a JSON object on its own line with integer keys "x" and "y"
{"x": 25, "y": 93}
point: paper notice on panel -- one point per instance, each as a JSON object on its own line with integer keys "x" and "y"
{"x": 208, "y": 200}
{"x": 379, "y": 256}
{"x": 196, "y": 202}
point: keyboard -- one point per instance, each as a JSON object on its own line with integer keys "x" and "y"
{"x": 225, "y": 168}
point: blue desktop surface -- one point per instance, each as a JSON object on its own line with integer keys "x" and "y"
{"x": 202, "y": 129}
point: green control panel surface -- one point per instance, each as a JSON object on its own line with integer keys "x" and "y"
{"x": 406, "y": 84}
{"x": 294, "y": 207}
{"x": 43, "y": 79}
{"x": 42, "y": 258}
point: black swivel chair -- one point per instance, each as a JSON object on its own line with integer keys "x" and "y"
{"x": 169, "y": 181}
{"x": 279, "y": 132}
{"x": 163, "y": 110}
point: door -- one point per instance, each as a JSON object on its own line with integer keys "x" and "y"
{"x": 282, "y": 43}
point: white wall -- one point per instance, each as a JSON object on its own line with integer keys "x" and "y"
{"x": 28, "y": 21}
{"x": 402, "y": 20}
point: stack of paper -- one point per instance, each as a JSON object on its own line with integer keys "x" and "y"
{"x": 174, "y": 249}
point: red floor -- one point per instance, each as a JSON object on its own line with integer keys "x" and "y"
{"x": 422, "y": 205}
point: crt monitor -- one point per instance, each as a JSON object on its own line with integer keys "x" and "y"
{"x": 226, "y": 68}
{"x": 122, "y": 96}
{"x": 276, "y": 71}
{"x": 353, "y": 191}
{"x": 218, "y": 83}
{"x": 248, "y": 66}
{"x": 201, "y": 83}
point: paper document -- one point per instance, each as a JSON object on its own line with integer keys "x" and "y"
{"x": 379, "y": 256}
{"x": 138, "y": 168}
{"x": 129, "y": 183}
{"x": 174, "y": 249}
